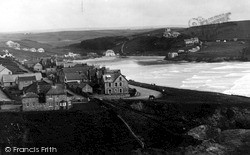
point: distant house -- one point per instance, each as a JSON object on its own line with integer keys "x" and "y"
{"x": 38, "y": 67}
{"x": 115, "y": 83}
{"x": 172, "y": 55}
{"x": 32, "y": 50}
{"x": 4, "y": 71}
{"x": 110, "y": 53}
{"x": 69, "y": 64}
{"x": 191, "y": 41}
{"x": 40, "y": 50}
{"x": 25, "y": 81}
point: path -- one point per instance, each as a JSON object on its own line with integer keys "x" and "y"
{"x": 144, "y": 92}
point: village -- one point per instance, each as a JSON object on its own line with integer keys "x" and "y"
{"x": 51, "y": 83}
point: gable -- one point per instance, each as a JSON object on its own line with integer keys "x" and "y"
{"x": 120, "y": 78}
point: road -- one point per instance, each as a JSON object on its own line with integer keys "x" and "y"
{"x": 144, "y": 92}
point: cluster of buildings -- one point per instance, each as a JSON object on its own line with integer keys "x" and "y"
{"x": 170, "y": 34}
{"x": 47, "y": 87}
{"x": 17, "y": 46}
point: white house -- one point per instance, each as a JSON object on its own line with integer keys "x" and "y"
{"x": 110, "y": 53}
{"x": 32, "y": 50}
{"x": 4, "y": 71}
{"x": 40, "y": 50}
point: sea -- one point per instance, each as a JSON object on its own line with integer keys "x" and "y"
{"x": 224, "y": 77}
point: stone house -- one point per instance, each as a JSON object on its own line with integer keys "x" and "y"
{"x": 49, "y": 97}
{"x": 12, "y": 80}
{"x": 25, "y": 81}
{"x": 30, "y": 102}
{"x": 56, "y": 97}
{"x": 4, "y": 71}
{"x": 115, "y": 83}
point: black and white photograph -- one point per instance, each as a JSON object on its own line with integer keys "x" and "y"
{"x": 136, "y": 77}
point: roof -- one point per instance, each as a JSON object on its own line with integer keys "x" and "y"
{"x": 111, "y": 77}
{"x": 30, "y": 95}
{"x": 8, "y": 78}
{"x": 38, "y": 87}
{"x": 73, "y": 84}
{"x": 75, "y": 76}
{"x": 57, "y": 89}
{"x": 77, "y": 69}
{"x": 13, "y": 77}
{"x": 3, "y": 67}
{"x": 83, "y": 84}
{"x": 27, "y": 78}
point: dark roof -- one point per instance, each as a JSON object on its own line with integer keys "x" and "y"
{"x": 73, "y": 84}
{"x": 112, "y": 77}
{"x": 38, "y": 87}
{"x": 30, "y": 95}
{"x": 74, "y": 76}
{"x": 57, "y": 89}
{"x": 83, "y": 84}
{"x": 27, "y": 78}
{"x": 77, "y": 69}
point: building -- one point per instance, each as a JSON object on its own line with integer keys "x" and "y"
{"x": 25, "y": 81}
{"x": 191, "y": 41}
{"x": 172, "y": 55}
{"x": 30, "y": 64}
{"x": 115, "y": 83}
{"x": 4, "y": 71}
{"x": 75, "y": 77}
{"x": 30, "y": 102}
{"x": 38, "y": 67}
{"x": 11, "y": 80}
{"x": 56, "y": 97}
{"x": 110, "y": 53}
{"x": 40, "y": 50}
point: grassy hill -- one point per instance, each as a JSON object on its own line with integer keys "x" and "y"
{"x": 228, "y": 31}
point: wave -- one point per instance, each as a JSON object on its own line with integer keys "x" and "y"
{"x": 241, "y": 87}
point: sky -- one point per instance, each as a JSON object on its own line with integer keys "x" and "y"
{"x": 36, "y": 15}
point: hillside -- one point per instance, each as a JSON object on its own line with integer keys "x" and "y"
{"x": 228, "y": 31}
{"x": 64, "y": 38}
{"x": 153, "y": 42}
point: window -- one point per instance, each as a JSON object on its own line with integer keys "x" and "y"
{"x": 11, "y": 83}
{"x": 109, "y": 84}
{"x": 27, "y": 104}
{"x": 120, "y": 84}
{"x": 50, "y": 104}
{"x": 120, "y": 78}
{"x": 116, "y": 84}
{"x": 33, "y": 104}
{"x": 120, "y": 90}
{"x": 109, "y": 91}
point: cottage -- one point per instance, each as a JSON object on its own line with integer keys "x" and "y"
{"x": 4, "y": 71}
{"x": 56, "y": 97}
{"x": 75, "y": 77}
{"x": 38, "y": 67}
{"x": 115, "y": 83}
{"x": 110, "y": 53}
{"x": 30, "y": 64}
{"x": 191, "y": 41}
{"x": 25, "y": 81}
{"x": 30, "y": 102}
